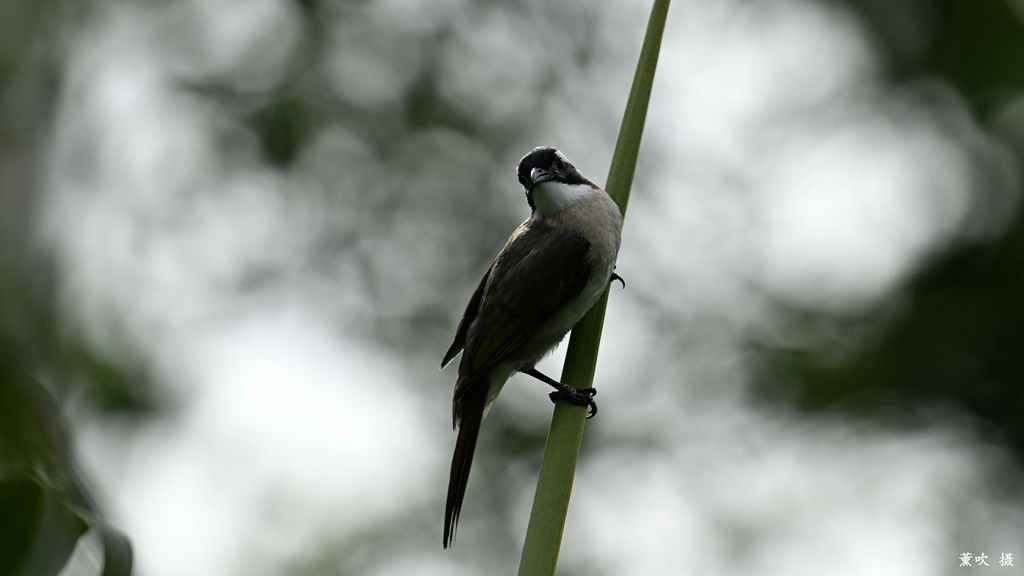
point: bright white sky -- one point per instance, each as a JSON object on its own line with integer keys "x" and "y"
{"x": 775, "y": 166}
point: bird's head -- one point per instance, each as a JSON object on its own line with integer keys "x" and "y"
{"x": 545, "y": 165}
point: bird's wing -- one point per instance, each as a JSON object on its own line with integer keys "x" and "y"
{"x": 467, "y": 318}
{"x": 541, "y": 270}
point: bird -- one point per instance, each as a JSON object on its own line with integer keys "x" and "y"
{"x": 550, "y": 272}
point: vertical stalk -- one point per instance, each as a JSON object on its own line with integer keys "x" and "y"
{"x": 558, "y": 467}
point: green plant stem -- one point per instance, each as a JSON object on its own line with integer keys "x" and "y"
{"x": 558, "y": 467}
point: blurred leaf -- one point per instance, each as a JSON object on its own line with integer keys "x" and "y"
{"x": 283, "y": 127}
{"x": 32, "y": 436}
{"x": 425, "y": 108}
{"x": 117, "y": 552}
{"x": 123, "y": 387}
{"x": 55, "y": 540}
{"x": 38, "y": 528}
{"x": 958, "y": 340}
{"x": 44, "y": 509}
{"x": 20, "y": 500}
{"x": 975, "y": 45}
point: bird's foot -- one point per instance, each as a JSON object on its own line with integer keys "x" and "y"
{"x": 619, "y": 278}
{"x": 577, "y": 396}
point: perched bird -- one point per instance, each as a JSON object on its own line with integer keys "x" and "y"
{"x": 551, "y": 271}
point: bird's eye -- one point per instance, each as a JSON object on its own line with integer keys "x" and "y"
{"x": 558, "y": 165}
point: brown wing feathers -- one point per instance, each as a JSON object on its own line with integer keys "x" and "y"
{"x": 538, "y": 274}
{"x": 467, "y": 318}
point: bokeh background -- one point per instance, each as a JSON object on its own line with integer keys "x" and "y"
{"x": 237, "y": 237}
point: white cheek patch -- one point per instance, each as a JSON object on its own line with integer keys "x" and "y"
{"x": 553, "y": 197}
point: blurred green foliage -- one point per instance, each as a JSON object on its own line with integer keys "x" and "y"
{"x": 975, "y": 46}
{"x": 952, "y": 340}
{"x": 44, "y": 506}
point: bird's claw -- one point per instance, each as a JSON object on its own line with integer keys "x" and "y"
{"x": 577, "y": 396}
{"x": 619, "y": 278}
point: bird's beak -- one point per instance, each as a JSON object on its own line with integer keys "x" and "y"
{"x": 537, "y": 176}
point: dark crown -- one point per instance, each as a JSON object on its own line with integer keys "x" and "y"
{"x": 551, "y": 161}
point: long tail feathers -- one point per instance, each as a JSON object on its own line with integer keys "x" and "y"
{"x": 472, "y": 414}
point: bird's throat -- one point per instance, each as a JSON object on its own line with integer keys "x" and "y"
{"x": 550, "y": 198}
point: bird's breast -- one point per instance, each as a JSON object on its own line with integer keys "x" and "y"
{"x": 597, "y": 218}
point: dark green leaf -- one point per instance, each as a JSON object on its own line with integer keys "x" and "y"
{"x": 54, "y": 541}
{"x": 20, "y": 501}
{"x": 117, "y": 552}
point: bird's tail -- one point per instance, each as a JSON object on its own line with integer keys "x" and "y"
{"x": 470, "y": 414}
